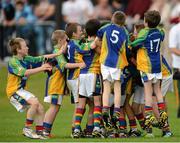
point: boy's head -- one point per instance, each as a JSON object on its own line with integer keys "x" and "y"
{"x": 58, "y": 37}
{"x": 92, "y": 27}
{"x": 73, "y": 30}
{"x": 119, "y": 18}
{"x": 18, "y": 46}
{"x": 152, "y": 19}
{"x": 138, "y": 26}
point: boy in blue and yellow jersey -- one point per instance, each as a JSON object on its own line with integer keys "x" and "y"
{"x": 90, "y": 81}
{"x": 19, "y": 69}
{"x": 74, "y": 33}
{"x": 56, "y": 81}
{"x": 112, "y": 59}
{"x": 149, "y": 63}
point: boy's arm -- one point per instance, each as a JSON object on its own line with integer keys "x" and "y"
{"x": 59, "y": 52}
{"x": 44, "y": 67}
{"x": 16, "y": 68}
{"x": 96, "y": 45}
{"x": 140, "y": 39}
{"x": 75, "y": 65}
{"x": 62, "y": 63}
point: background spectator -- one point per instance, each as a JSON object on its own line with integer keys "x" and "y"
{"x": 103, "y": 11}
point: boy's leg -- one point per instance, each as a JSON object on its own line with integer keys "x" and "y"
{"x": 117, "y": 94}
{"x": 134, "y": 132}
{"x": 49, "y": 118}
{"x": 106, "y": 108}
{"x": 79, "y": 115}
{"x": 122, "y": 124}
{"x": 55, "y": 101}
{"x": 31, "y": 113}
{"x": 90, "y": 120}
{"x": 39, "y": 119}
{"x": 117, "y": 102}
{"x": 136, "y": 107}
{"x": 97, "y": 116}
{"x": 163, "y": 117}
{"x": 149, "y": 118}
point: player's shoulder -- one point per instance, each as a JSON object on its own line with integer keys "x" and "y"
{"x": 13, "y": 60}
{"x": 108, "y": 25}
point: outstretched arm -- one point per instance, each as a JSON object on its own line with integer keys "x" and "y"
{"x": 44, "y": 67}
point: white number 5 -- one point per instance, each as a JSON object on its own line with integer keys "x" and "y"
{"x": 114, "y": 36}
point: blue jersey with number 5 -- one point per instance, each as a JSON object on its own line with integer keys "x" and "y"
{"x": 114, "y": 45}
{"x": 148, "y": 56}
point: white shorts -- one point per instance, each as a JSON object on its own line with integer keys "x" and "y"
{"x": 110, "y": 74}
{"x": 20, "y": 98}
{"x": 166, "y": 84}
{"x": 73, "y": 86}
{"x": 150, "y": 76}
{"x": 90, "y": 84}
{"x": 111, "y": 100}
{"x": 54, "y": 99}
{"x": 139, "y": 95}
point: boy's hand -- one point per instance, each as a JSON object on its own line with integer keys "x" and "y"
{"x": 82, "y": 65}
{"x": 46, "y": 67}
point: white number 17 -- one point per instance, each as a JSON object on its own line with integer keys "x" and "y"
{"x": 153, "y": 43}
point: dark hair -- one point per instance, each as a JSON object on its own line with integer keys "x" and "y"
{"x": 152, "y": 18}
{"x": 9, "y": 12}
{"x": 92, "y": 27}
{"x": 56, "y": 35}
{"x": 119, "y": 18}
{"x": 71, "y": 28}
{"x": 15, "y": 44}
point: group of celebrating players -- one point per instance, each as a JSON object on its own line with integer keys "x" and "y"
{"x": 103, "y": 67}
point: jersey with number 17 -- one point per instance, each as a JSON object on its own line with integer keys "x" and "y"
{"x": 114, "y": 45}
{"x": 148, "y": 56}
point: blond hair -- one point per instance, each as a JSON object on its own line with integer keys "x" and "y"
{"x": 15, "y": 44}
{"x": 57, "y": 35}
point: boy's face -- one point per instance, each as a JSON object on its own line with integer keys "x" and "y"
{"x": 63, "y": 40}
{"x": 78, "y": 33}
{"x": 145, "y": 23}
{"x": 23, "y": 51}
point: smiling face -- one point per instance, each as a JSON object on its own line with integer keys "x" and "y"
{"x": 78, "y": 33}
{"x": 23, "y": 50}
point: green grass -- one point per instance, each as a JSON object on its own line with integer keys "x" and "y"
{"x": 11, "y": 122}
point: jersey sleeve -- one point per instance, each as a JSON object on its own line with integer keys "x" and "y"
{"x": 16, "y": 68}
{"x": 101, "y": 31}
{"x": 61, "y": 60}
{"x": 140, "y": 39}
{"x": 32, "y": 59}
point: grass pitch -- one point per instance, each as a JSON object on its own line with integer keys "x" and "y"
{"x": 11, "y": 122}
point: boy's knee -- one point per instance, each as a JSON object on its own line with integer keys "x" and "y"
{"x": 34, "y": 102}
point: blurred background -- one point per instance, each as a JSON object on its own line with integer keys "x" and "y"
{"x": 35, "y": 20}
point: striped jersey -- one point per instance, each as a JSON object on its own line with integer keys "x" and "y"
{"x": 73, "y": 56}
{"x": 16, "y": 70}
{"x": 57, "y": 79}
{"x": 114, "y": 45}
{"x": 148, "y": 56}
{"x": 91, "y": 59}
